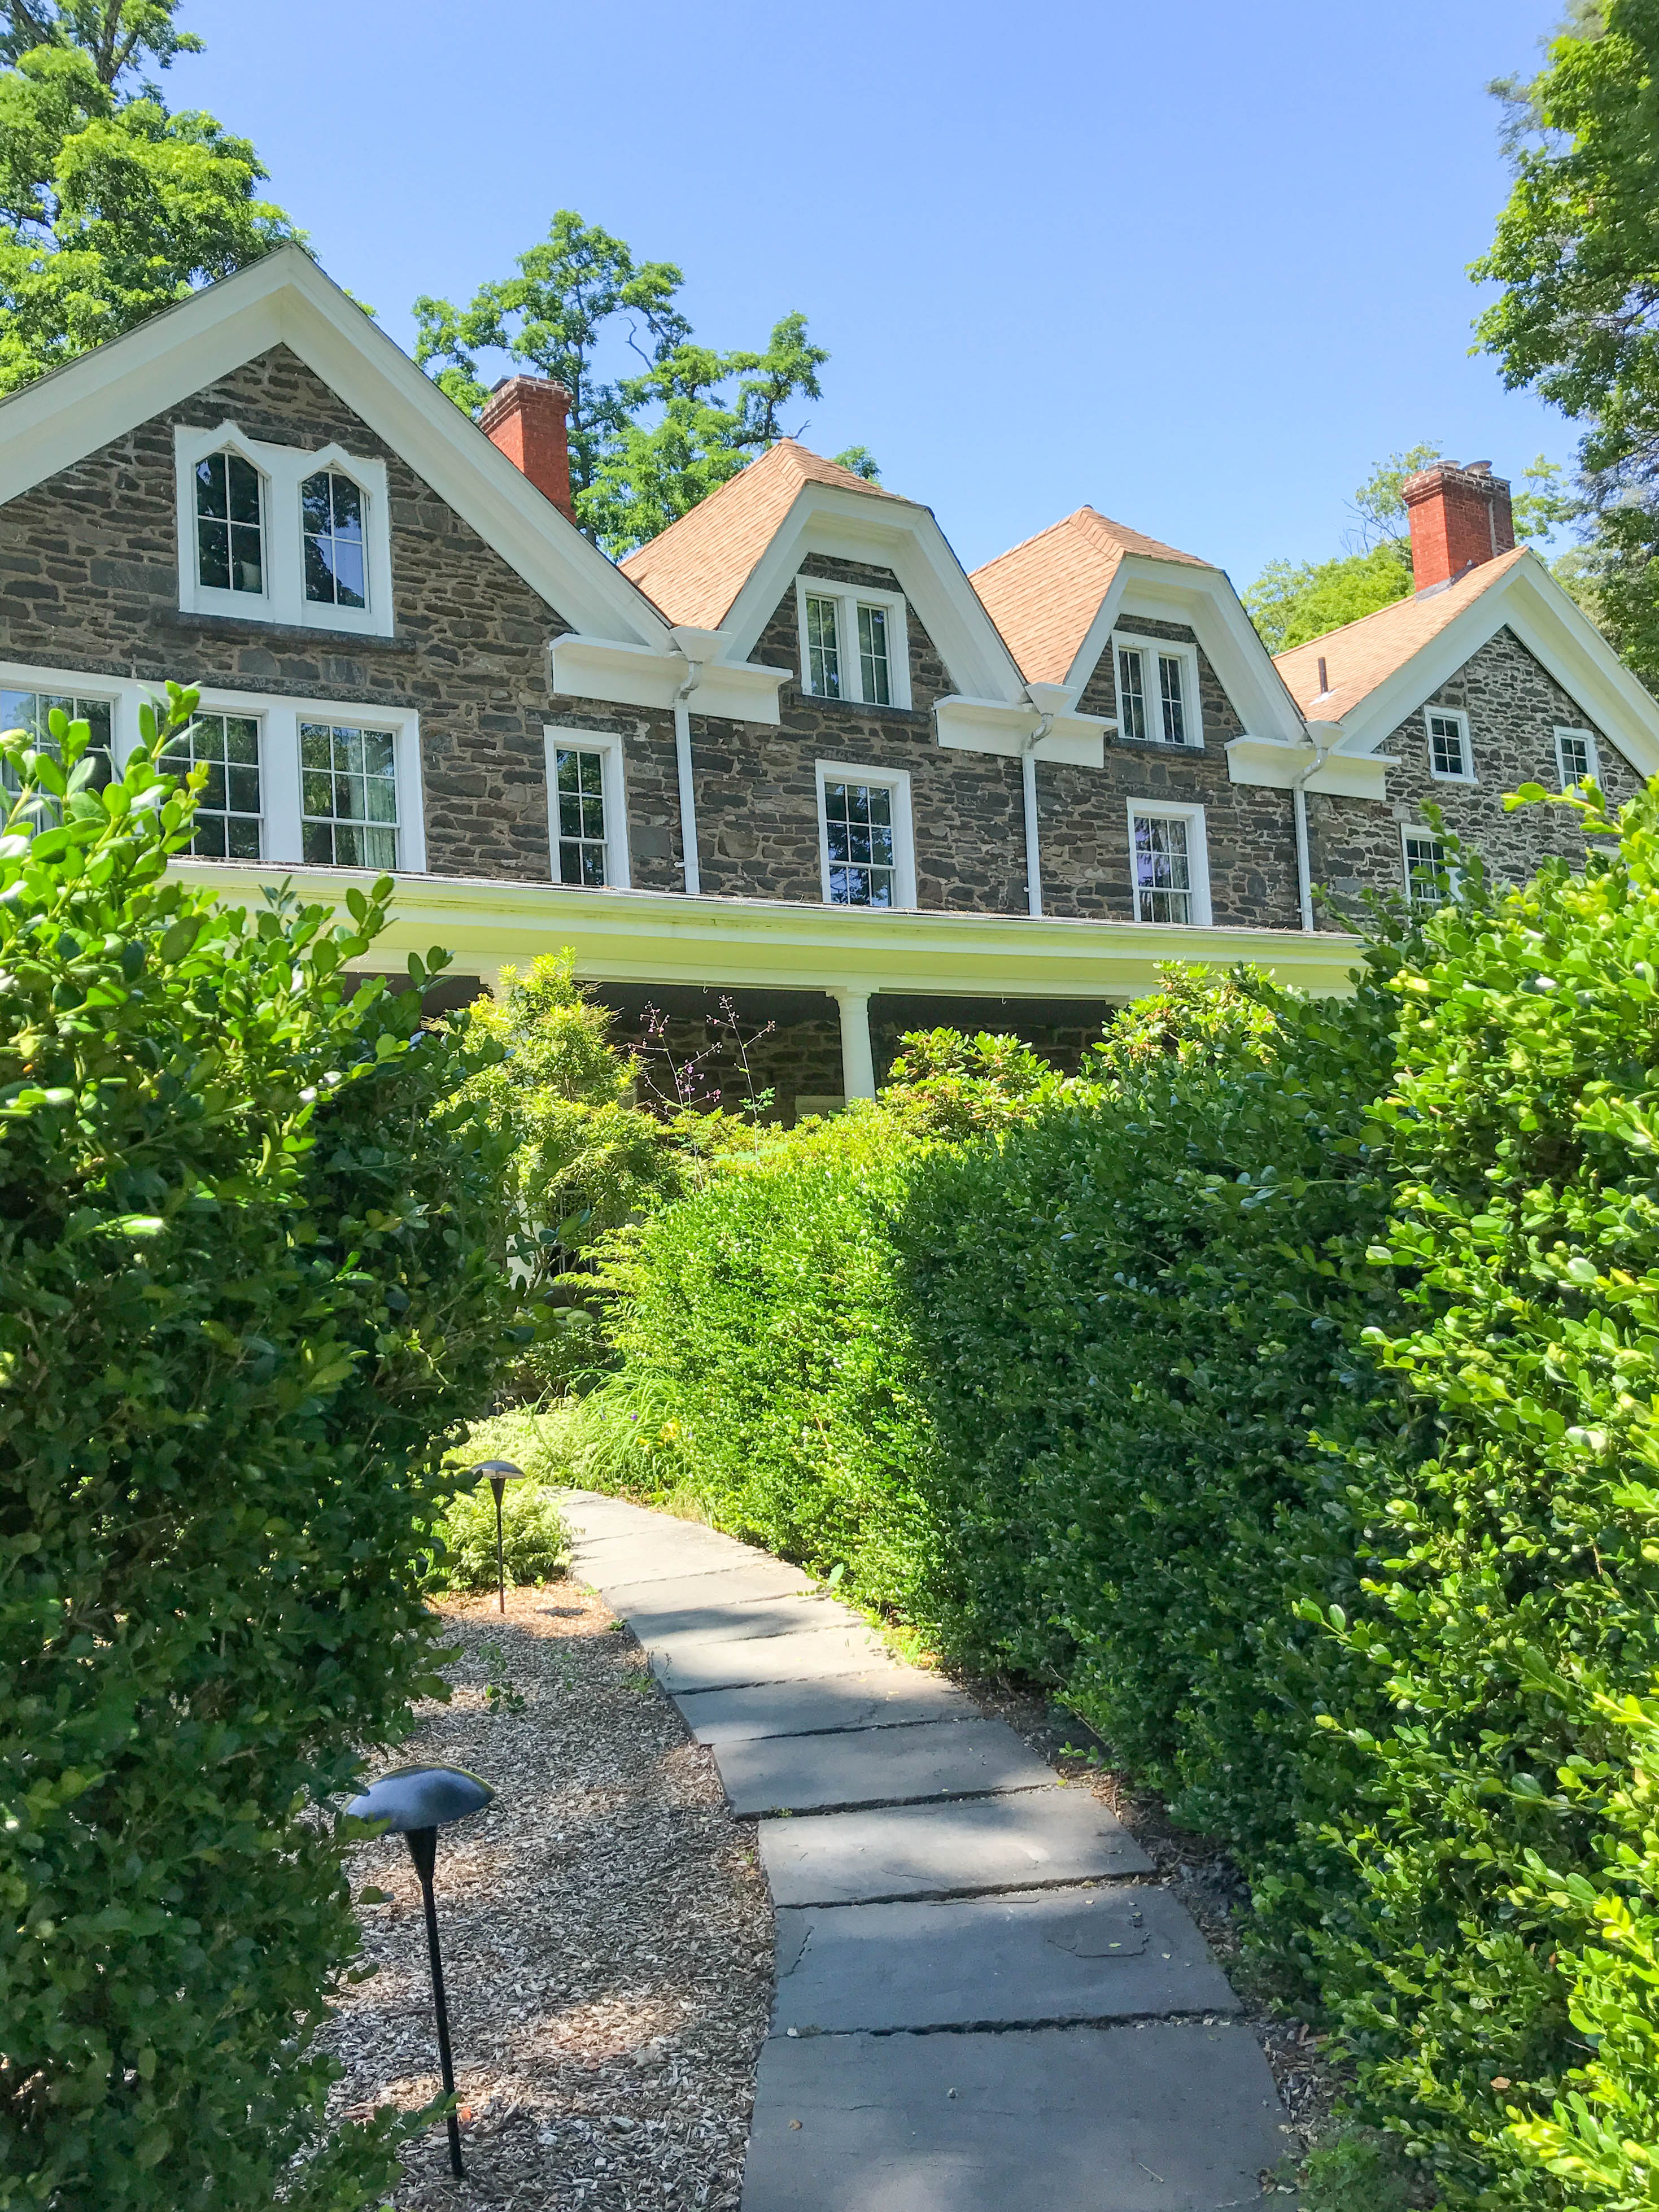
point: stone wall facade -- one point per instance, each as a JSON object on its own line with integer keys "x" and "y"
{"x": 1249, "y": 830}
{"x": 89, "y": 584}
{"x": 1514, "y": 706}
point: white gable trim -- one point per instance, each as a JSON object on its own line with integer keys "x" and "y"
{"x": 886, "y": 533}
{"x": 1205, "y": 600}
{"x": 285, "y": 300}
{"x": 1567, "y": 644}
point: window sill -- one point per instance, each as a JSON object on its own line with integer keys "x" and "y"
{"x": 800, "y": 697}
{"x": 1116, "y": 743}
{"x": 251, "y": 630}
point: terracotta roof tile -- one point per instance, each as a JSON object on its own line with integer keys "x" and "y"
{"x": 1043, "y": 594}
{"x": 1363, "y": 654}
{"x": 696, "y": 568}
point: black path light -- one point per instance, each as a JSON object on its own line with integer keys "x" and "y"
{"x": 415, "y": 1803}
{"x": 501, "y": 1472}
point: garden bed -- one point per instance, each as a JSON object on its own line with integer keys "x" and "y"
{"x": 607, "y": 1938}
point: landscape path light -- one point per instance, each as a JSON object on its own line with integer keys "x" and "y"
{"x": 415, "y": 1803}
{"x": 501, "y": 1472}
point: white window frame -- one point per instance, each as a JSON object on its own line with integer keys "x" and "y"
{"x": 282, "y": 470}
{"x": 897, "y": 781}
{"x": 571, "y": 737}
{"x": 1191, "y": 699}
{"x": 1449, "y": 715}
{"x": 1197, "y": 857}
{"x": 281, "y": 833}
{"x": 848, "y": 598}
{"x": 1587, "y": 739}
{"x": 1408, "y": 829}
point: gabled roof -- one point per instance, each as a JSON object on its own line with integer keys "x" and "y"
{"x": 1044, "y": 594}
{"x": 285, "y": 299}
{"x": 1382, "y": 667}
{"x": 697, "y": 568}
{"x": 1361, "y": 655}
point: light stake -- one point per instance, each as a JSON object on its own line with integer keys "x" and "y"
{"x": 501, "y": 1472}
{"x": 415, "y": 1803}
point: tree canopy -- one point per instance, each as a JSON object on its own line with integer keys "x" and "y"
{"x": 1577, "y": 253}
{"x": 646, "y": 442}
{"x": 111, "y": 207}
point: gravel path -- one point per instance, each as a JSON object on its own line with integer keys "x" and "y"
{"x": 606, "y": 1933}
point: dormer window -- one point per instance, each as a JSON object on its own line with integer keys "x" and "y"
{"x": 853, "y": 643}
{"x": 331, "y": 508}
{"x": 281, "y": 533}
{"x": 1157, "y": 692}
{"x": 230, "y": 537}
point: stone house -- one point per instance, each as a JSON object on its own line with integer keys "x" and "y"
{"x": 788, "y": 758}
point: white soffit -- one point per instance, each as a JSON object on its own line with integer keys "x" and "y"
{"x": 989, "y": 726}
{"x": 1567, "y": 644}
{"x": 885, "y": 533}
{"x": 636, "y": 676}
{"x": 1205, "y": 600}
{"x": 285, "y": 300}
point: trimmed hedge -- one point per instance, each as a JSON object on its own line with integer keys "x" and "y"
{"x": 246, "y": 1289}
{"x": 1283, "y": 1394}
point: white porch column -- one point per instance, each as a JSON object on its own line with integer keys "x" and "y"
{"x": 858, "y": 1062}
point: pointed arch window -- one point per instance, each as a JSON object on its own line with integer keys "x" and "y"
{"x": 230, "y": 531}
{"x": 336, "y": 571}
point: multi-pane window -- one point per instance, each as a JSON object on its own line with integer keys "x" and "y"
{"x": 229, "y": 529}
{"x": 227, "y": 811}
{"x": 30, "y": 712}
{"x": 581, "y": 778}
{"x": 332, "y": 508}
{"x": 1146, "y": 715}
{"x": 873, "y": 656}
{"x": 349, "y": 796}
{"x": 1164, "y": 868}
{"x": 1449, "y": 747}
{"x": 1575, "y": 756}
{"x": 822, "y": 649}
{"x": 1427, "y": 883}
{"x": 858, "y": 828}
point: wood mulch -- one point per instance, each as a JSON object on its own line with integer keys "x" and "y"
{"x": 606, "y": 1935}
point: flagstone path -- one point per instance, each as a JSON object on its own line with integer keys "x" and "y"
{"x": 982, "y": 2004}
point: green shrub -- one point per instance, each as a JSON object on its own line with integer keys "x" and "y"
{"x": 247, "y": 1290}
{"x": 535, "y": 1543}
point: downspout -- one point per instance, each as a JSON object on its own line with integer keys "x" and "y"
{"x": 1028, "y": 775}
{"x": 688, "y": 788}
{"x": 1299, "y": 810}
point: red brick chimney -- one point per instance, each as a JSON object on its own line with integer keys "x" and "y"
{"x": 526, "y": 418}
{"x": 1460, "y": 517}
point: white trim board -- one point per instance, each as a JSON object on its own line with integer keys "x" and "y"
{"x": 285, "y": 300}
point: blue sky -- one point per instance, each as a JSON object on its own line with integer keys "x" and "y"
{"x": 1197, "y": 264}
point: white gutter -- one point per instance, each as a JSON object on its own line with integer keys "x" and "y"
{"x": 1027, "y": 777}
{"x": 692, "y": 646}
{"x": 1299, "y": 811}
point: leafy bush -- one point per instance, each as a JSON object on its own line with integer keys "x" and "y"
{"x": 246, "y": 1288}
{"x": 535, "y": 1543}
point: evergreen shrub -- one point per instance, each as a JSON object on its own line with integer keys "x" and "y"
{"x": 247, "y": 1289}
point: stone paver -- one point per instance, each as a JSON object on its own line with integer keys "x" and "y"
{"x": 878, "y": 1697}
{"x": 715, "y": 1662}
{"x": 940, "y": 1759}
{"x": 1028, "y": 1958}
{"x": 1035, "y": 1839}
{"x": 1153, "y": 2118}
{"x": 1089, "y": 2064}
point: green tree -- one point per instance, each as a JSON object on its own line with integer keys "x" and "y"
{"x": 111, "y": 207}
{"x": 1576, "y": 253}
{"x": 645, "y": 447}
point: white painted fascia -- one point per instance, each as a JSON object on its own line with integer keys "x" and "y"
{"x": 665, "y": 937}
{"x": 1557, "y": 633}
{"x": 639, "y": 675}
{"x": 887, "y": 533}
{"x": 285, "y": 300}
{"x": 1280, "y": 766}
{"x": 1203, "y": 598}
{"x": 990, "y": 725}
